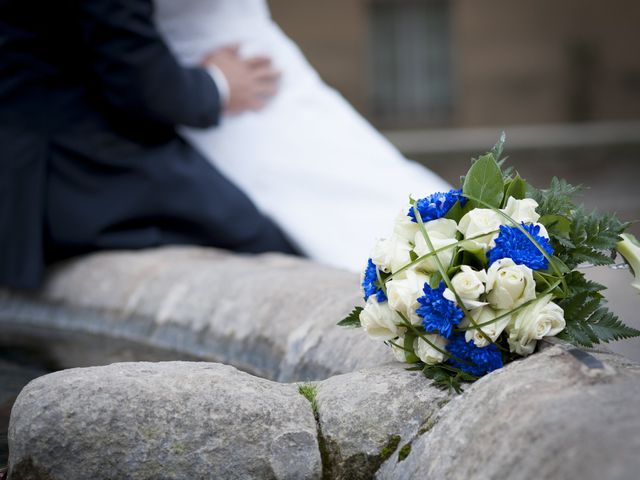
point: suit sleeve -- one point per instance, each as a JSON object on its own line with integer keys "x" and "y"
{"x": 136, "y": 70}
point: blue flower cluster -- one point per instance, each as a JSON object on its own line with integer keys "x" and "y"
{"x": 480, "y": 360}
{"x": 369, "y": 283}
{"x": 437, "y": 205}
{"x": 514, "y": 244}
{"x": 439, "y": 314}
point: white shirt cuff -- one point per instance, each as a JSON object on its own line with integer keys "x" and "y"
{"x": 221, "y": 82}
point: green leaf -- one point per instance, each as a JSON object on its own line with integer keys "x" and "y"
{"x": 560, "y": 266}
{"x": 556, "y": 223}
{"x": 542, "y": 280}
{"x": 578, "y": 334}
{"x": 448, "y": 378}
{"x": 455, "y": 212}
{"x": 607, "y": 327}
{"x": 577, "y": 283}
{"x": 484, "y": 181}
{"x": 497, "y": 149}
{"x": 588, "y": 321}
{"x": 559, "y": 229}
{"x": 507, "y": 172}
{"x": 409, "y": 356}
{"x": 516, "y": 188}
{"x": 588, "y": 255}
{"x": 435, "y": 279}
{"x": 574, "y": 305}
{"x": 416, "y": 368}
{"x": 601, "y": 326}
{"x": 352, "y": 320}
{"x": 557, "y": 199}
{"x": 592, "y": 238}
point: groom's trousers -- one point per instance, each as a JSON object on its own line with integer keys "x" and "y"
{"x": 89, "y": 189}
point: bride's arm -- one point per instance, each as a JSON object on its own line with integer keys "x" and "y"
{"x": 136, "y": 70}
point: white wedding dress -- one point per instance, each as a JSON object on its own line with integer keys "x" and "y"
{"x": 308, "y": 159}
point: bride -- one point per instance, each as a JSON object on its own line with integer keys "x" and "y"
{"x": 308, "y": 160}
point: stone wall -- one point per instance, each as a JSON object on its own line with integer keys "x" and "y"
{"x": 317, "y": 401}
{"x": 271, "y": 315}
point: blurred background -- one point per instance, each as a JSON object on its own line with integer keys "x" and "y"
{"x": 443, "y": 78}
{"x": 465, "y": 63}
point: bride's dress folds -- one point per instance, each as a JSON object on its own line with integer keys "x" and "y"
{"x": 308, "y": 159}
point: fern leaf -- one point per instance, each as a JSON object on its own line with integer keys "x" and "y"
{"x": 587, "y": 255}
{"x": 557, "y": 199}
{"x": 579, "y": 333}
{"x": 578, "y": 283}
{"x": 352, "y": 320}
{"x": 607, "y": 327}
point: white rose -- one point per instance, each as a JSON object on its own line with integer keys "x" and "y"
{"x": 477, "y": 222}
{"x": 391, "y": 254}
{"x": 379, "y": 321}
{"x": 399, "y": 353}
{"x": 426, "y": 352}
{"x": 493, "y": 330}
{"x": 542, "y": 318}
{"x": 404, "y": 227}
{"x": 403, "y": 294}
{"x": 442, "y": 232}
{"x": 509, "y": 285}
{"x": 469, "y": 285}
{"x": 522, "y": 210}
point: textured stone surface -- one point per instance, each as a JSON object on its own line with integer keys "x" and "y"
{"x": 560, "y": 414}
{"x": 171, "y": 420}
{"x": 549, "y": 416}
{"x": 371, "y": 414}
{"x": 13, "y": 376}
{"x": 270, "y": 315}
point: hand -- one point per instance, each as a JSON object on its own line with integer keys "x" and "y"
{"x": 251, "y": 81}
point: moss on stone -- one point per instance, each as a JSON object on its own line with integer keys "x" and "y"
{"x": 310, "y": 391}
{"x": 404, "y": 452}
{"x": 389, "y": 448}
{"x": 427, "y": 425}
{"x": 178, "y": 448}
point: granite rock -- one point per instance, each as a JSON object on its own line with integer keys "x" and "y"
{"x": 169, "y": 420}
{"x": 561, "y": 414}
{"x": 272, "y": 315}
{"x": 368, "y": 416}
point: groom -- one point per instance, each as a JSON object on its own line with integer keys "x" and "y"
{"x": 90, "y": 97}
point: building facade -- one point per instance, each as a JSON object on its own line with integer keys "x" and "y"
{"x": 465, "y": 63}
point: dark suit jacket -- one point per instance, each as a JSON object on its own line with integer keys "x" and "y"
{"x": 89, "y": 157}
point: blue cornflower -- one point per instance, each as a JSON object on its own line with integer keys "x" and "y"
{"x": 479, "y": 360}
{"x": 437, "y": 205}
{"x": 439, "y": 314}
{"x": 369, "y": 283}
{"x": 512, "y": 243}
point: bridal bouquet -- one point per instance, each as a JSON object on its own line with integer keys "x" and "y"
{"x": 473, "y": 278}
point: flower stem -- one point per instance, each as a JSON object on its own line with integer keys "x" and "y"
{"x": 435, "y": 252}
{"x": 511, "y": 312}
{"x": 445, "y": 276}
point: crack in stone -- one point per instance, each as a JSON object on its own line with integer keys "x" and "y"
{"x": 309, "y": 392}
